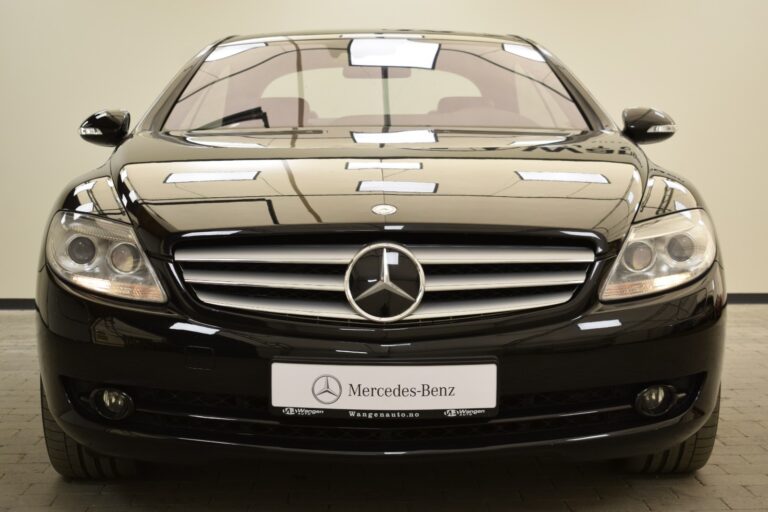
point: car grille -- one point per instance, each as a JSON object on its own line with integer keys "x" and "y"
{"x": 307, "y": 281}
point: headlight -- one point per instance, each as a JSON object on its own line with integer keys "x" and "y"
{"x": 660, "y": 254}
{"x": 102, "y": 256}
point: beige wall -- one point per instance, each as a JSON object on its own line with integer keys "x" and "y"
{"x": 703, "y": 61}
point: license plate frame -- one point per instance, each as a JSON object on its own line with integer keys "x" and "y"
{"x": 473, "y": 381}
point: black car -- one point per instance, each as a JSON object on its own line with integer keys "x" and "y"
{"x": 378, "y": 244}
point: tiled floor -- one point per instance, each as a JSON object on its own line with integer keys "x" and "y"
{"x": 736, "y": 478}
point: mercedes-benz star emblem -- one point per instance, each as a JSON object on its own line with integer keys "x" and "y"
{"x": 326, "y": 389}
{"x": 384, "y": 209}
{"x": 384, "y": 282}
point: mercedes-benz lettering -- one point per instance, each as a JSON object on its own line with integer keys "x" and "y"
{"x": 378, "y": 243}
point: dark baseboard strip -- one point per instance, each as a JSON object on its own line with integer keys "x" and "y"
{"x": 748, "y": 298}
{"x": 17, "y": 303}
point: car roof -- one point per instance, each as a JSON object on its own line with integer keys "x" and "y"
{"x": 351, "y": 34}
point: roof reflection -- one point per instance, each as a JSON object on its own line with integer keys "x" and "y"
{"x": 568, "y": 177}
{"x": 397, "y": 186}
{"x": 193, "y": 177}
{"x": 222, "y": 142}
{"x": 599, "y": 324}
{"x": 393, "y": 52}
{"x": 400, "y": 166}
{"x": 408, "y": 136}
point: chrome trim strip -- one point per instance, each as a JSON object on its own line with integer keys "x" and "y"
{"x": 342, "y": 310}
{"x": 450, "y": 309}
{"x": 265, "y": 279}
{"x": 297, "y": 254}
{"x": 441, "y": 283}
{"x": 456, "y": 254}
{"x": 336, "y": 283}
{"x": 426, "y": 254}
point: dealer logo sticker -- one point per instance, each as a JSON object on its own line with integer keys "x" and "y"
{"x": 326, "y": 389}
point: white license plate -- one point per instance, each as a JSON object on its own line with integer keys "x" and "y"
{"x": 384, "y": 387}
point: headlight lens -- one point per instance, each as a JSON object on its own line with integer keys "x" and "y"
{"x": 102, "y": 256}
{"x": 660, "y": 254}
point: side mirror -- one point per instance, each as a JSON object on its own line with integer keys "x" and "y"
{"x": 106, "y": 128}
{"x": 647, "y": 125}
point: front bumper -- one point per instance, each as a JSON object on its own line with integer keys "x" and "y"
{"x": 204, "y": 393}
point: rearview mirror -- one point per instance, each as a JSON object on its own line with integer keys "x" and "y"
{"x": 647, "y": 125}
{"x": 106, "y": 128}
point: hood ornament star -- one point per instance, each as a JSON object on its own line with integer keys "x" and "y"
{"x": 385, "y": 283}
{"x": 362, "y": 281}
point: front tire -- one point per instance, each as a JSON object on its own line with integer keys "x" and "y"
{"x": 687, "y": 457}
{"x": 74, "y": 461}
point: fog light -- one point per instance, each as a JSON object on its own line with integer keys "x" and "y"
{"x": 111, "y": 403}
{"x": 655, "y": 400}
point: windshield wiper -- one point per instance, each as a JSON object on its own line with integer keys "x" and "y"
{"x": 237, "y": 117}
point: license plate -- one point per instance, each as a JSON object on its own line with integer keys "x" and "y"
{"x": 384, "y": 391}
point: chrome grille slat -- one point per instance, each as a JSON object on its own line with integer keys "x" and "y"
{"x": 426, "y": 254}
{"x": 265, "y": 280}
{"x": 307, "y": 280}
{"x": 469, "y": 255}
{"x": 511, "y": 280}
{"x": 340, "y": 310}
{"x": 487, "y": 306}
{"x": 296, "y": 254}
{"x": 336, "y": 283}
{"x": 311, "y": 308}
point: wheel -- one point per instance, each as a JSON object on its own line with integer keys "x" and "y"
{"x": 687, "y": 457}
{"x": 72, "y": 460}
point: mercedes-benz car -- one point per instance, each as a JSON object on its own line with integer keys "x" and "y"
{"x": 388, "y": 244}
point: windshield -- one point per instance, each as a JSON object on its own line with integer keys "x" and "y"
{"x": 367, "y": 81}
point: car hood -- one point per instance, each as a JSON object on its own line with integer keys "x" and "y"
{"x": 188, "y": 185}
